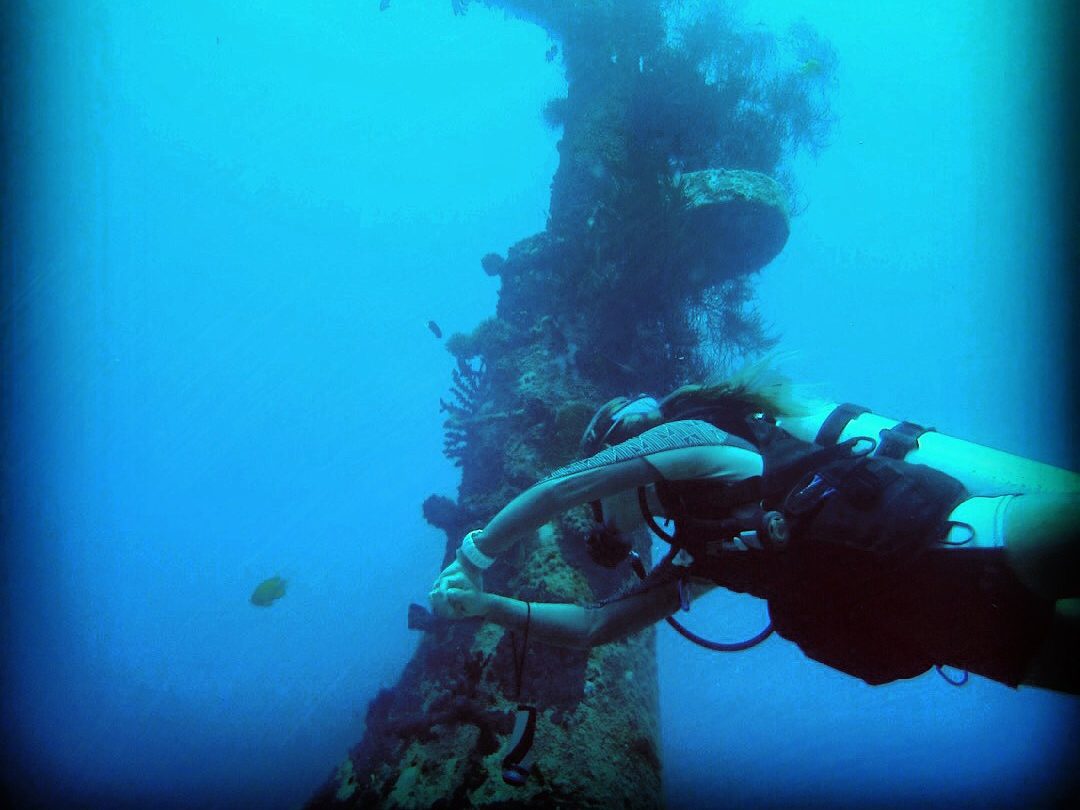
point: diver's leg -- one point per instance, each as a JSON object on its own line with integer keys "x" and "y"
{"x": 1057, "y": 663}
{"x": 1042, "y": 542}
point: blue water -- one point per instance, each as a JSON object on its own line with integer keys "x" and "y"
{"x": 225, "y": 231}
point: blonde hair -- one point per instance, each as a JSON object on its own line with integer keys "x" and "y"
{"x": 757, "y": 387}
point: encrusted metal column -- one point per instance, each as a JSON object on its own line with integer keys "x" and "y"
{"x": 638, "y": 283}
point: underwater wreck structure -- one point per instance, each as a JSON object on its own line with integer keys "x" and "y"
{"x": 670, "y": 192}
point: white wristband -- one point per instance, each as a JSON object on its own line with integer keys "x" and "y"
{"x": 474, "y": 555}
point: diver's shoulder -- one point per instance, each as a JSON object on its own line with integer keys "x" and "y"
{"x": 686, "y": 433}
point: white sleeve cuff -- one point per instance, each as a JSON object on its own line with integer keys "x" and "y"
{"x": 473, "y": 554}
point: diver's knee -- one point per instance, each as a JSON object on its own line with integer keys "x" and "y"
{"x": 1042, "y": 540}
{"x": 1056, "y": 664}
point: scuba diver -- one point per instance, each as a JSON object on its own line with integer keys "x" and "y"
{"x": 882, "y": 548}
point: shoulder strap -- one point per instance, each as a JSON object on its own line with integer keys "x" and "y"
{"x": 899, "y": 440}
{"x": 643, "y": 505}
{"x": 829, "y": 432}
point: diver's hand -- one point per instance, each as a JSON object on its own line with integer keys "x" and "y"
{"x": 457, "y": 571}
{"x": 458, "y": 593}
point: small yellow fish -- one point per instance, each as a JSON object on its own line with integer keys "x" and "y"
{"x": 268, "y": 591}
{"x": 811, "y": 67}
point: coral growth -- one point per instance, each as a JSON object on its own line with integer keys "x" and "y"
{"x": 465, "y": 410}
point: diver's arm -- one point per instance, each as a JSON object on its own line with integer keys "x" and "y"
{"x": 566, "y": 625}
{"x": 560, "y": 624}
{"x": 533, "y": 508}
{"x": 541, "y": 502}
{"x": 582, "y": 627}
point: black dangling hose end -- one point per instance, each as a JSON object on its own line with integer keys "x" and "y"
{"x": 952, "y": 680}
{"x": 518, "y": 761}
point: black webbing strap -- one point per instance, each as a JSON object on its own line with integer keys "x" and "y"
{"x": 899, "y": 440}
{"x": 524, "y": 732}
{"x": 643, "y": 504}
{"x": 829, "y": 432}
{"x": 597, "y": 511}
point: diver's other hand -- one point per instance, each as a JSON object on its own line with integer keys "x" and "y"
{"x": 456, "y": 571}
{"x": 457, "y": 597}
{"x": 458, "y": 591}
